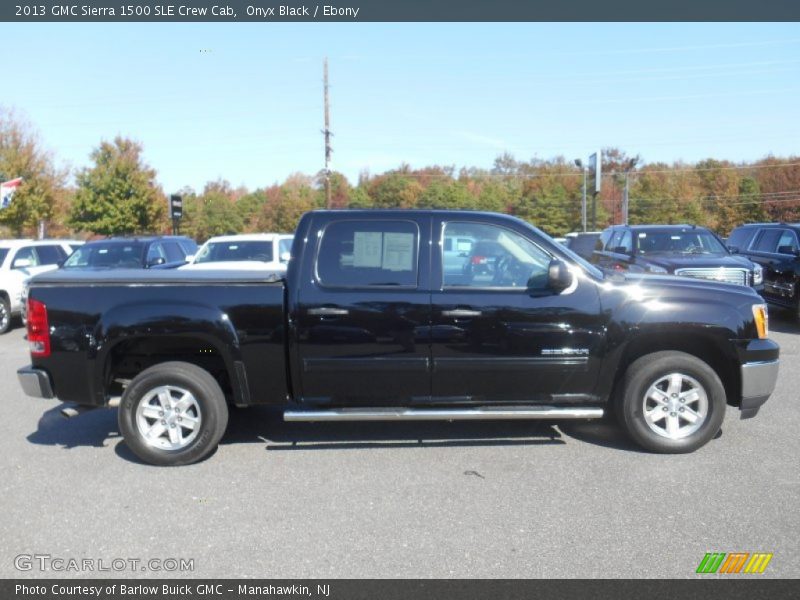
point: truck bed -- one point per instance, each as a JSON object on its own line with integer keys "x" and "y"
{"x": 231, "y": 322}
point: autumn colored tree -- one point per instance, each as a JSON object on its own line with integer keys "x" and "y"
{"x": 119, "y": 194}
{"x": 42, "y": 188}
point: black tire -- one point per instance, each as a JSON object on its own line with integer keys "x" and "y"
{"x": 209, "y": 408}
{"x": 649, "y": 370}
{"x": 5, "y": 315}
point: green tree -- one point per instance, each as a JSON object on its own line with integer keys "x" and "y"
{"x": 751, "y": 208}
{"x": 119, "y": 194}
{"x": 214, "y": 212}
{"x": 42, "y": 185}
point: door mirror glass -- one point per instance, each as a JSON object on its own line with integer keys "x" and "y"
{"x": 559, "y": 277}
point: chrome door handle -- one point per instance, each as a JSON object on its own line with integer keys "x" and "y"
{"x": 328, "y": 311}
{"x": 461, "y": 313}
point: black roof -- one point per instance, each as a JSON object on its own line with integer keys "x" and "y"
{"x": 769, "y": 225}
{"x": 657, "y": 227}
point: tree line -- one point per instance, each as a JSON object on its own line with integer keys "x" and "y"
{"x": 119, "y": 194}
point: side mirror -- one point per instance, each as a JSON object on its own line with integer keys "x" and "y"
{"x": 733, "y": 249}
{"x": 285, "y": 256}
{"x": 189, "y": 258}
{"x": 559, "y": 277}
{"x": 22, "y": 263}
{"x": 790, "y": 250}
{"x": 155, "y": 262}
{"x": 60, "y": 263}
{"x": 621, "y": 250}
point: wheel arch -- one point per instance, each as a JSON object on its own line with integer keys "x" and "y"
{"x": 719, "y": 355}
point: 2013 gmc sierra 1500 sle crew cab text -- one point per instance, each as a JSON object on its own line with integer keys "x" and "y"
{"x": 414, "y": 315}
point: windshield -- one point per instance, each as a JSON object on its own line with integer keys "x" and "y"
{"x": 234, "y": 251}
{"x": 688, "y": 241}
{"x": 3, "y": 254}
{"x": 119, "y": 255}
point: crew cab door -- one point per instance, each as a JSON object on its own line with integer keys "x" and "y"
{"x": 494, "y": 339}
{"x": 362, "y": 315}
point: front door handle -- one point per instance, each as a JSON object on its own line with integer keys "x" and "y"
{"x": 461, "y": 313}
{"x": 328, "y": 311}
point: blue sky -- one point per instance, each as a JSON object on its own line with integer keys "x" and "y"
{"x": 243, "y": 101}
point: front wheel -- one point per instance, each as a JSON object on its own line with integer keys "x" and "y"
{"x": 5, "y": 315}
{"x": 173, "y": 413}
{"x": 672, "y": 402}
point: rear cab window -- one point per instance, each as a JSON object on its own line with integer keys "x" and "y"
{"x": 368, "y": 253}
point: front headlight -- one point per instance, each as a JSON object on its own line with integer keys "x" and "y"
{"x": 761, "y": 318}
{"x": 758, "y": 275}
{"x": 657, "y": 269}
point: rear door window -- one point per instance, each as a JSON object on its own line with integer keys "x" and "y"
{"x": 767, "y": 240}
{"x": 50, "y": 255}
{"x": 358, "y": 254}
{"x": 740, "y": 238}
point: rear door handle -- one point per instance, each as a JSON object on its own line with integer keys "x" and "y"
{"x": 328, "y": 311}
{"x": 461, "y": 313}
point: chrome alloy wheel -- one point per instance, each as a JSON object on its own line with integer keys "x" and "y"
{"x": 5, "y": 316}
{"x": 675, "y": 406}
{"x": 168, "y": 417}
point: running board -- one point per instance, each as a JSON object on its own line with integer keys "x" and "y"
{"x": 443, "y": 414}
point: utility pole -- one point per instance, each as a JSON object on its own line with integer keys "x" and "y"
{"x": 584, "y": 168}
{"x": 630, "y": 165}
{"x": 327, "y": 133}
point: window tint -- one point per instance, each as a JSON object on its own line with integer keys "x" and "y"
{"x": 174, "y": 252}
{"x": 284, "y": 247}
{"x": 787, "y": 244}
{"x": 188, "y": 246}
{"x": 626, "y": 243}
{"x": 50, "y": 255}
{"x": 235, "y": 250}
{"x": 499, "y": 258}
{"x": 155, "y": 251}
{"x": 614, "y": 240}
{"x": 3, "y": 254}
{"x": 767, "y": 240}
{"x": 740, "y": 238}
{"x": 28, "y": 254}
{"x": 367, "y": 253}
{"x": 107, "y": 255}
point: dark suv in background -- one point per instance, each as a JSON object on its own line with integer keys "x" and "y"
{"x": 685, "y": 250}
{"x": 157, "y": 252}
{"x": 773, "y": 246}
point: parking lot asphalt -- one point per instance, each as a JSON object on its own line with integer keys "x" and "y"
{"x": 452, "y": 500}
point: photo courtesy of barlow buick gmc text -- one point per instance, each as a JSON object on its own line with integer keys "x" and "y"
{"x": 396, "y": 300}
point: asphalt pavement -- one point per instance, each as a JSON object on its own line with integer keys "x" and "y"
{"x": 451, "y": 500}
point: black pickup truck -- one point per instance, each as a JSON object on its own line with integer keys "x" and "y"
{"x": 374, "y": 322}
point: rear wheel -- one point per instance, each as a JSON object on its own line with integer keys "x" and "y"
{"x": 173, "y": 414}
{"x": 672, "y": 402}
{"x": 5, "y": 315}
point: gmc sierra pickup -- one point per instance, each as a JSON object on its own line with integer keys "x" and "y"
{"x": 405, "y": 315}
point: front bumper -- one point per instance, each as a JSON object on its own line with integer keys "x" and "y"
{"x": 35, "y": 382}
{"x": 758, "y": 383}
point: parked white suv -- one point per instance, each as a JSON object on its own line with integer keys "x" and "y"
{"x": 257, "y": 252}
{"x": 19, "y": 261}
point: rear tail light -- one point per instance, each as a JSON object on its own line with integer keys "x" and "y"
{"x": 38, "y": 329}
{"x": 478, "y": 260}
